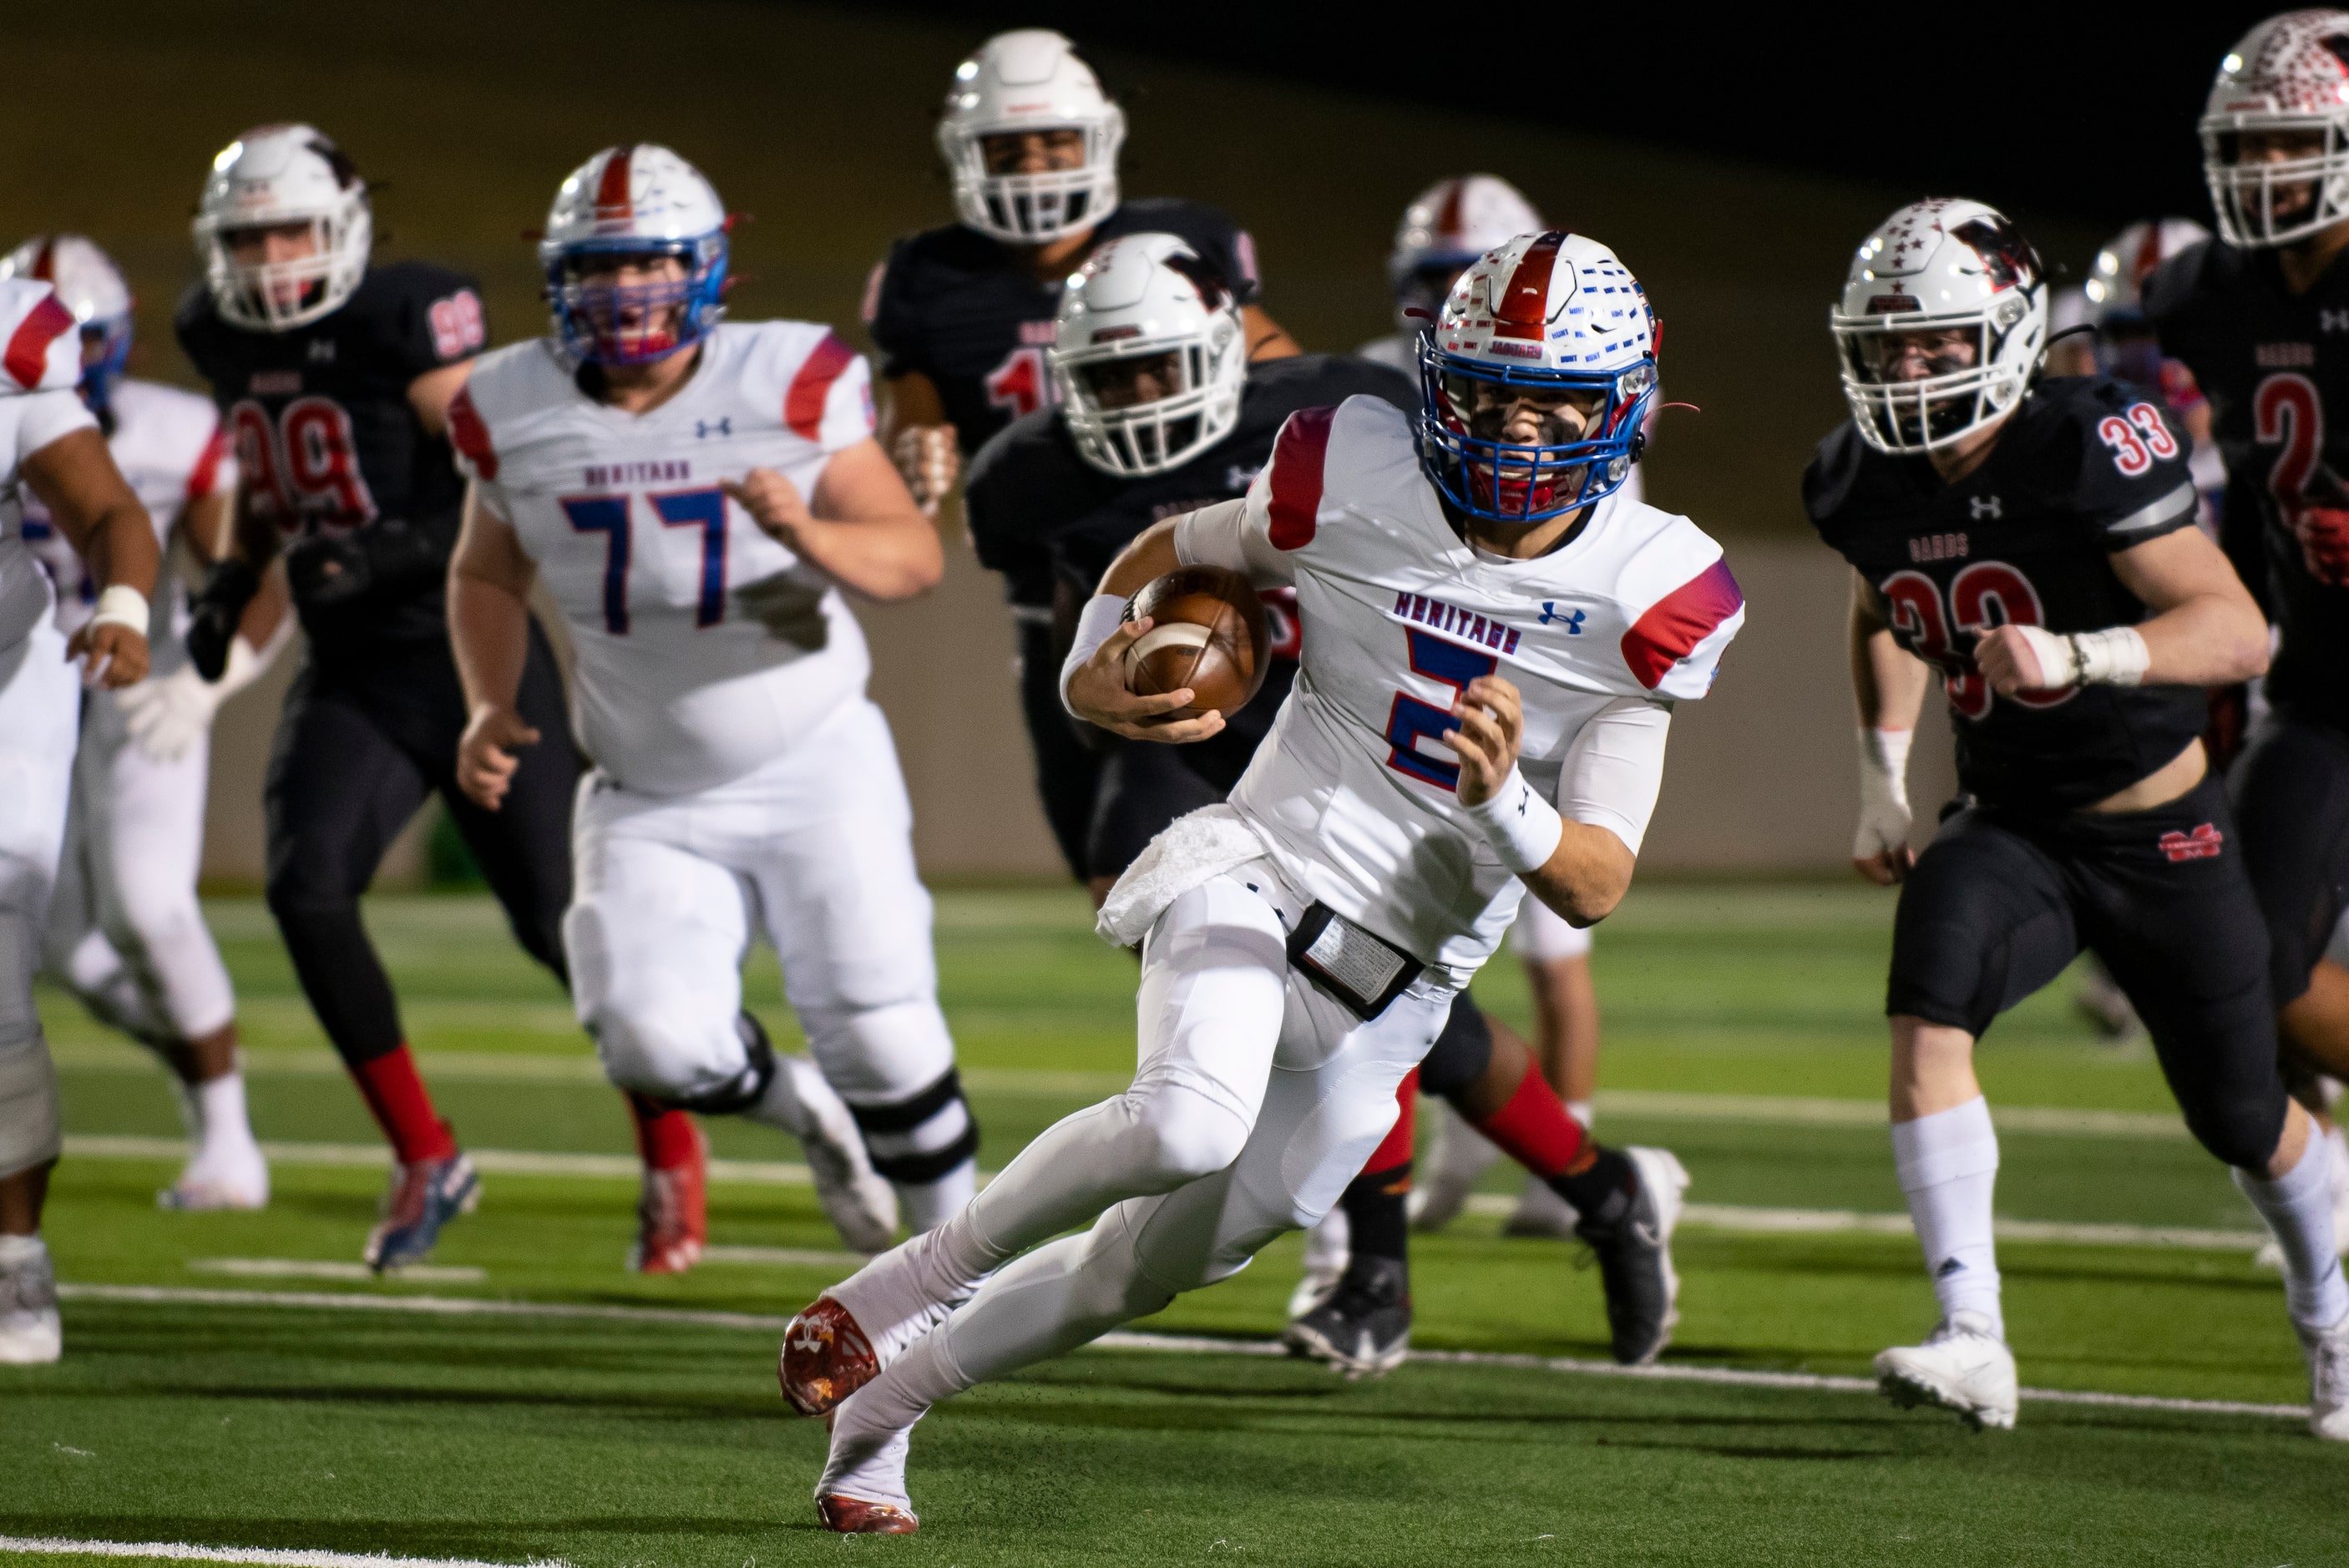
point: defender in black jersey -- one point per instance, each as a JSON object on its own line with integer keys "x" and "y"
{"x": 1162, "y": 416}
{"x": 2259, "y": 316}
{"x": 962, "y": 316}
{"x": 2034, "y": 540}
{"x": 335, "y": 377}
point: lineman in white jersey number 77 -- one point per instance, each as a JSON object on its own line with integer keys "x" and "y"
{"x": 49, "y": 442}
{"x": 696, "y": 495}
{"x": 1366, "y": 865}
{"x": 125, "y": 931}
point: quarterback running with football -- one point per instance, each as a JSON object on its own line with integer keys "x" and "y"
{"x": 49, "y": 444}
{"x": 1301, "y": 945}
{"x": 963, "y": 317}
{"x": 2254, "y": 316}
{"x": 1161, "y": 413}
{"x": 2034, "y": 540}
{"x": 126, "y": 933}
{"x": 333, "y": 376}
{"x": 697, "y": 494}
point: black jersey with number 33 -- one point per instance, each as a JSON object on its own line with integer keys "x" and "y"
{"x": 2275, "y": 365}
{"x": 2084, "y": 468}
{"x": 956, "y": 306}
{"x": 327, "y": 442}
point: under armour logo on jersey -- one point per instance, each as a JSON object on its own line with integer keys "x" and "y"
{"x": 1984, "y": 506}
{"x": 724, "y": 427}
{"x": 322, "y": 351}
{"x": 1571, "y": 620}
{"x": 1237, "y": 477}
{"x": 2332, "y": 320}
{"x": 2201, "y": 844}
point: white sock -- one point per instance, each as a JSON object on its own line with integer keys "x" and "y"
{"x": 1948, "y": 1164}
{"x": 2298, "y": 1207}
{"x": 1581, "y": 1111}
{"x": 221, "y": 1113}
{"x": 927, "y": 1205}
{"x": 17, "y": 1251}
{"x": 866, "y": 1459}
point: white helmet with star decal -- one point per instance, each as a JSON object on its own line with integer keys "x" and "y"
{"x": 1941, "y": 325}
{"x": 2275, "y": 132}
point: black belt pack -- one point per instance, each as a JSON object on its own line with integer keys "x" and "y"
{"x": 1360, "y": 968}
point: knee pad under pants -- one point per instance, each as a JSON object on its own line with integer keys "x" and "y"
{"x": 32, "y": 1127}
{"x": 1461, "y": 1052}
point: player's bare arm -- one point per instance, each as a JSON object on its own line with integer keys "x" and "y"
{"x": 1590, "y": 871}
{"x": 861, "y": 528}
{"x": 1888, "y": 687}
{"x": 93, "y": 506}
{"x": 1266, "y": 338}
{"x": 1098, "y": 692}
{"x": 430, "y": 394}
{"x": 915, "y": 434}
{"x": 2205, "y": 630}
{"x": 490, "y": 580}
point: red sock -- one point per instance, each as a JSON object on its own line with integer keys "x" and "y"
{"x": 1533, "y": 1129}
{"x": 665, "y": 1135}
{"x": 402, "y": 1108}
{"x": 1396, "y": 1149}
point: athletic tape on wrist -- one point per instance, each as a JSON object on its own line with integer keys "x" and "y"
{"x": 1101, "y": 617}
{"x": 122, "y": 606}
{"x": 1523, "y": 828}
{"x": 2115, "y": 656}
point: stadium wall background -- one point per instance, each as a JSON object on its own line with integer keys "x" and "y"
{"x": 817, "y": 123}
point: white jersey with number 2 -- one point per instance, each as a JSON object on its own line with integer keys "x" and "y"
{"x": 706, "y": 648}
{"x": 1354, "y": 791}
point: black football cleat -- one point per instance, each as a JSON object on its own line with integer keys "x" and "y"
{"x": 1635, "y": 1259}
{"x": 1362, "y": 1327}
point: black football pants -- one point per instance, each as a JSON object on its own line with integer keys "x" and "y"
{"x": 364, "y": 739}
{"x": 2291, "y": 793}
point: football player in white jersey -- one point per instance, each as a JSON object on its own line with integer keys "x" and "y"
{"x": 48, "y": 443}
{"x": 126, "y": 933}
{"x": 1369, "y": 862}
{"x": 696, "y": 496}
{"x": 1447, "y": 227}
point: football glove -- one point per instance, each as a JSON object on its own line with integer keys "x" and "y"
{"x": 168, "y": 713}
{"x": 1884, "y": 814}
{"x": 2323, "y": 534}
{"x": 214, "y": 613}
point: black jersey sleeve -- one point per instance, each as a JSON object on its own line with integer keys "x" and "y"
{"x": 1829, "y": 479}
{"x": 427, "y": 316}
{"x": 2128, "y": 452}
{"x": 1023, "y": 486}
{"x": 889, "y": 316}
{"x": 1222, "y": 242}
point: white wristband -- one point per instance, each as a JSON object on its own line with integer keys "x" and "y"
{"x": 2115, "y": 656}
{"x": 1100, "y": 619}
{"x": 1523, "y": 828}
{"x": 122, "y": 606}
{"x": 1884, "y": 761}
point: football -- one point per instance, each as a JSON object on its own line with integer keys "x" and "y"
{"x": 1207, "y": 632}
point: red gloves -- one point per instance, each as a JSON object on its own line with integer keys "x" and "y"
{"x": 2323, "y": 533}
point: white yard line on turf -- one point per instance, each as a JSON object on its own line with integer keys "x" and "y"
{"x": 324, "y": 1268}
{"x": 1730, "y": 1376}
{"x": 1785, "y": 1110}
{"x": 779, "y": 1174}
{"x": 181, "y": 1551}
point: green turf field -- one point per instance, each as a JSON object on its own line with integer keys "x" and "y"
{"x": 225, "y": 1384}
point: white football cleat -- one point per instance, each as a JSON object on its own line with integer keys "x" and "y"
{"x": 1962, "y": 1366}
{"x": 1328, "y": 1247}
{"x": 2327, "y": 1350}
{"x": 1449, "y": 1173}
{"x": 30, "y": 1332}
{"x": 230, "y": 1174}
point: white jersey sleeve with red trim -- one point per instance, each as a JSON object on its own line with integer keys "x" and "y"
{"x": 1355, "y": 789}
{"x": 40, "y": 365}
{"x": 40, "y": 346}
{"x": 172, "y": 449}
{"x": 706, "y": 648}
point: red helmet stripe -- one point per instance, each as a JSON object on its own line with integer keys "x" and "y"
{"x": 612, "y": 200}
{"x": 1448, "y": 217}
{"x": 45, "y": 265}
{"x": 2149, "y": 252}
{"x": 1523, "y": 309}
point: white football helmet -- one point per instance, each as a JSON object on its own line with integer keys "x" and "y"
{"x": 87, "y": 283}
{"x": 2115, "y": 286}
{"x": 1552, "y": 315}
{"x": 1447, "y": 226}
{"x": 278, "y": 174}
{"x": 1940, "y": 267}
{"x": 2288, "y": 78}
{"x": 1030, "y": 81}
{"x": 638, "y": 199}
{"x": 1147, "y": 315}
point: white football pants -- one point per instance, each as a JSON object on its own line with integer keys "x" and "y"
{"x": 1256, "y": 1102}
{"x": 817, "y": 850}
{"x": 125, "y": 930}
{"x": 39, "y": 706}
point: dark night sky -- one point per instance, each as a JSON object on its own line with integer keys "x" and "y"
{"x": 2082, "y": 109}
